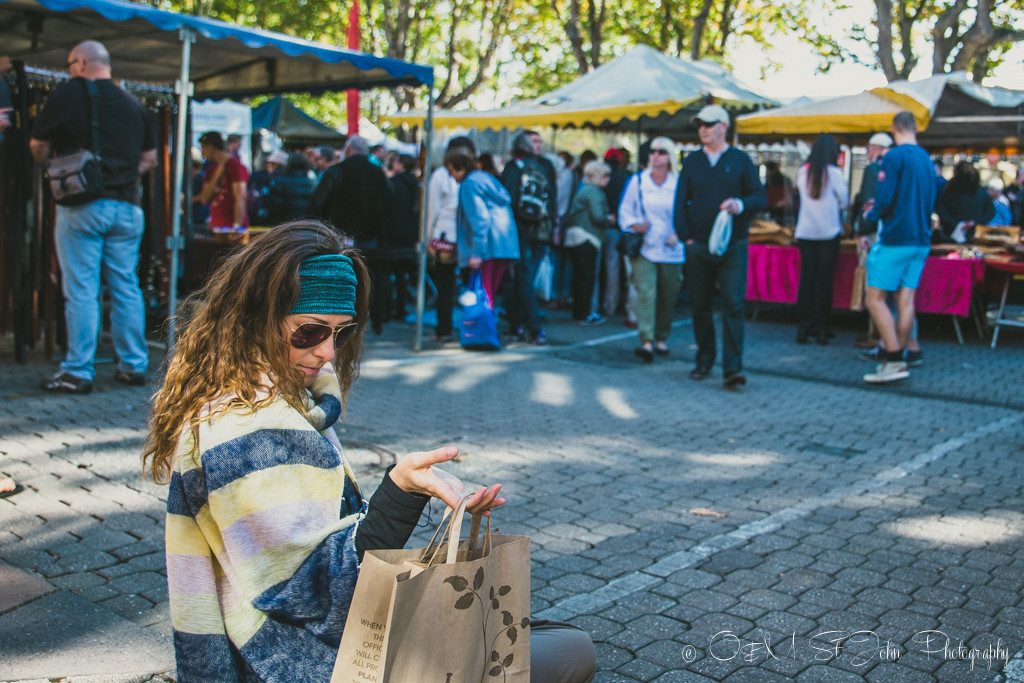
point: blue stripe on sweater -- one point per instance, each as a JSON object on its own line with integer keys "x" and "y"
{"x": 204, "y": 658}
{"x": 187, "y": 493}
{"x": 331, "y": 407}
{"x": 264, "y": 449}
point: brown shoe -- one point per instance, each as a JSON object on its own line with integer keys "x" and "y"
{"x": 866, "y": 341}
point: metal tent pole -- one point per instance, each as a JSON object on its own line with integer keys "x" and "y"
{"x": 184, "y": 89}
{"x": 421, "y": 285}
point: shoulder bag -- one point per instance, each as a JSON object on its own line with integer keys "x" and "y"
{"x": 629, "y": 243}
{"x": 77, "y": 178}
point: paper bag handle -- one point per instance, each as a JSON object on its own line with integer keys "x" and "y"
{"x": 452, "y": 533}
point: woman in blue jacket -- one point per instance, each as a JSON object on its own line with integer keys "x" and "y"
{"x": 488, "y": 239}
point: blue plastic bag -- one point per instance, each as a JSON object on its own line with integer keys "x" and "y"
{"x": 479, "y": 329}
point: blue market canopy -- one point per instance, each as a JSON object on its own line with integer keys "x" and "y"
{"x": 293, "y": 125}
{"x": 226, "y": 60}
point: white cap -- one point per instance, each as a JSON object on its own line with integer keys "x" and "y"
{"x": 711, "y": 113}
{"x": 277, "y": 157}
{"x": 881, "y": 139}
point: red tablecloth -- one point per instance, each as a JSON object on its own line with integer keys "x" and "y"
{"x": 946, "y": 285}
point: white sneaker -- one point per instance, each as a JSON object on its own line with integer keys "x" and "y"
{"x": 890, "y": 371}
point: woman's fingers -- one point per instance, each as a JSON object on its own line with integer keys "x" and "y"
{"x": 485, "y": 499}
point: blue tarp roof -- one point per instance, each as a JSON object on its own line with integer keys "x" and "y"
{"x": 227, "y": 60}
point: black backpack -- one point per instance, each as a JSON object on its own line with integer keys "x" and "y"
{"x": 532, "y": 205}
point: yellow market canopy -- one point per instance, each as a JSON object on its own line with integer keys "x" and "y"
{"x": 951, "y": 110}
{"x": 643, "y": 89}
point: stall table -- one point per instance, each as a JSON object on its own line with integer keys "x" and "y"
{"x": 1009, "y": 270}
{"x": 947, "y": 283}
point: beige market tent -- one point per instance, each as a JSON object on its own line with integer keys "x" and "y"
{"x": 642, "y": 90}
{"x": 951, "y": 110}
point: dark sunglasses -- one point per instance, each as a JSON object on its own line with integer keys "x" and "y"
{"x": 659, "y": 151}
{"x": 309, "y": 335}
{"x": 706, "y": 124}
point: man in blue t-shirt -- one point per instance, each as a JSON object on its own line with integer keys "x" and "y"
{"x": 902, "y": 205}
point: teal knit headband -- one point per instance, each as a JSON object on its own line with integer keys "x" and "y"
{"x": 327, "y": 285}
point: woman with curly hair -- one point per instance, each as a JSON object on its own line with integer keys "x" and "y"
{"x": 265, "y": 523}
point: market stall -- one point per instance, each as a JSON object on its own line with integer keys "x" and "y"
{"x": 949, "y": 283}
{"x": 952, "y": 112}
{"x": 179, "y": 55}
{"x": 644, "y": 90}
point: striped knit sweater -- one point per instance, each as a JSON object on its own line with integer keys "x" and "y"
{"x": 261, "y": 544}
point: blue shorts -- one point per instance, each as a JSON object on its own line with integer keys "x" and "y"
{"x": 891, "y": 268}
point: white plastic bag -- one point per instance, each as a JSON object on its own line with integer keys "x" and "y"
{"x": 542, "y": 281}
{"x": 721, "y": 233}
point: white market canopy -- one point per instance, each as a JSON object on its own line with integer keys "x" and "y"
{"x": 202, "y": 58}
{"x": 951, "y": 110}
{"x": 643, "y": 89}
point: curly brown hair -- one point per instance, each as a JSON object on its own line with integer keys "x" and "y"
{"x": 232, "y": 343}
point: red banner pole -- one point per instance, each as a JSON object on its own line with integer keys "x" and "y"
{"x": 352, "y": 96}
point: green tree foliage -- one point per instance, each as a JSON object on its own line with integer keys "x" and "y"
{"x": 963, "y": 35}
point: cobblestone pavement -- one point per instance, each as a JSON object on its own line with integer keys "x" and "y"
{"x": 808, "y": 527}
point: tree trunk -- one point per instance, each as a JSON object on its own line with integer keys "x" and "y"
{"x": 977, "y": 39}
{"x": 573, "y": 32}
{"x": 700, "y": 23}
{"x": 946, "y": 35}
{"x": 595, "y": 30}
{"x": 884, "y": 49}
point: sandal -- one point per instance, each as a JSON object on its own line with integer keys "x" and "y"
{"x": 662, "y": 350}
{"x": 18, "y": 488}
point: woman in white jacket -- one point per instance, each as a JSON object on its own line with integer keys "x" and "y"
{"x": 647, "y": 207}
{"x": 823, "y": 196}
{"x": 442, "y": 211}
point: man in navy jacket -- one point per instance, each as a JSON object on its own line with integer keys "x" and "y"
{"x": 716, "y": 178}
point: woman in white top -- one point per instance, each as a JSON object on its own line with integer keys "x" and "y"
{"x": 442, "y": 209}
{"x": 823, "y": 196}
{"x": 647, "y": 207}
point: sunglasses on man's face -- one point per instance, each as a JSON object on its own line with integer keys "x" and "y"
{"x": 310, "y": 335}
{"x": 659, "y": 151}
{"x": 706, "y": 124}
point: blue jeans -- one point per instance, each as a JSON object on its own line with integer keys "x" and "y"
{"x": 523, "y": 311}
{"x": 102, "y": 237}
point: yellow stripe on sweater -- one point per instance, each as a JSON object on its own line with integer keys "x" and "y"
{"x": 235, "y": 423}
{"x": 196, "y": 614}
{"x": 275, "y": 486}
{"x": 184, "y": 537}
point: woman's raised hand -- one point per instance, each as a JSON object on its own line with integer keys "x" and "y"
{"x": 415, "y": 473}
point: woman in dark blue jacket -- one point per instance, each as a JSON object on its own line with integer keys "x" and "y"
{"x": 291, "y": 191}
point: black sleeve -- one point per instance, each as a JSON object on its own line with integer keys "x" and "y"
{"x": 988, "y": 208}
{"x": 390, "y": 519}
{"x": 549, "y": 169}
{"x": 679, "y": 214}
{"x": 319, "y": 205}
{"x": 510, "y": 179}
{"x": 5, "y": 93}
{"x": 57, "y": 121}
{"x": 754, "y": 197}
{"x": 942, "y": 208}
{"x": 148, "y": 134}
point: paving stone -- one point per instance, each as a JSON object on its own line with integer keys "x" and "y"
{"x": 730, "y": 560}
{"x": 610, "y": 657}
{"x": 641, "y": 670}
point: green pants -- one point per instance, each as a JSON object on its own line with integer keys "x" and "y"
{"x": 657, "y": 286}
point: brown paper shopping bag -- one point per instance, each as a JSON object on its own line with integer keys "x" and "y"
{"x": 453, "y": 612}
{"x": 860, "y": 281}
